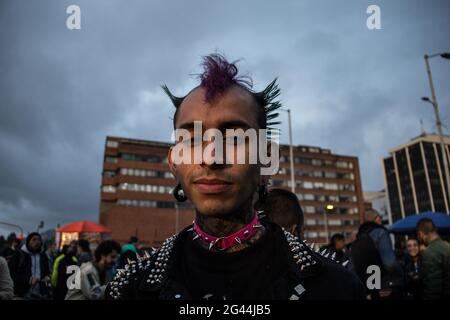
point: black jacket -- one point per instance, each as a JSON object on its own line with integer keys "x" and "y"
{"x": 19, "y": 264}
{"x": 306, "y": 275}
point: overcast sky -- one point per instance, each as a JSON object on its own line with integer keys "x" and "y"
{"x": 353, "y": 90}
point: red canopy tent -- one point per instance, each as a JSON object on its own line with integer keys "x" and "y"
{"x": 84, "y": 226}
{"x": 88, "y": 230}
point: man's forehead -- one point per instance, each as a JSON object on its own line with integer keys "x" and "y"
{"x": 235, "y": 105}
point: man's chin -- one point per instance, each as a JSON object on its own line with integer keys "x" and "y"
{"x": 213, "y": 208}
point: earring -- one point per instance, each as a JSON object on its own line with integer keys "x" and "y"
{"x": 262, "y": 193}
{"x": 178, "y": 193}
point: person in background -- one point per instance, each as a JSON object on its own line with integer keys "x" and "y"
{"x": 336, "y": 247}
{"x": 97, "y": 273}
{"x": 6, "y": 283}
{"x": 411, "y": 269}
{"x": 60, "y": 276}
{"x": 129, "y": 252}
{"x": 132, "y": 245}
{"x": 283, "y": 208}
{"x": 3, "y": 244}
{"x": 51, "y": 255}
{"x": 29, "y": 269}
{"x": 373, "y": 246}
{"x": 84, "y": 252}
{"x": 435, "y": 262}
{"x": 12, "y": 248}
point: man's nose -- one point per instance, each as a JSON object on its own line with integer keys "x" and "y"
{"x": 212, "y": 155}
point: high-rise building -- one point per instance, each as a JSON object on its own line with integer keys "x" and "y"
{"x": 329, "y": 189}
{"x": 415, "y": 177}
{"x": 136, "y": 187}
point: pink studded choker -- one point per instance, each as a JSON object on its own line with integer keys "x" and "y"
{"x": 223, "y": 243}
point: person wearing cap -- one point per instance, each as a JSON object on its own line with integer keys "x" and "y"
{"x": 373, "y": 247}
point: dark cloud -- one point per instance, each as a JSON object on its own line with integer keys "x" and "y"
{"x": 353, "y": 90}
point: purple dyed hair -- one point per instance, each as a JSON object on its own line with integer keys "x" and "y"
{"x": 219, "y": 75}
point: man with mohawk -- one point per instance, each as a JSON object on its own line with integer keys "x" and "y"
{"x": 230, "y": 251}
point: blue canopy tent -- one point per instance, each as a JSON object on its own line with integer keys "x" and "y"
{"x": 408, "y": 224}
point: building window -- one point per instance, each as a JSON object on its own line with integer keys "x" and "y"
{"x": 318, "y": 185}
{"x": 318, "y": 174}
{"x": 307, "y": 185}
{"x": 110, "y": 159}
{"x": 112, "y": 144}
{"x": 168, "y": 175}
{"x": 347, "y": 187}
{"x": 109, "y": 189}
{"x": 331, "y": 186}
{"x": 310, "y": 222}
{"x": 309, "y": 209}
{"x": 328, "y": 163}
{"x": 331, "y": 175}
{"x": 154, "y": 159}
{"x": 309, "y": 196}
{"x": 342, "y": 164}
{"x": 109, "y": 173}
{"x": 334, "y": 222}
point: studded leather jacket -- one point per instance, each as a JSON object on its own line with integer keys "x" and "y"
{"x": 309, "y": 276}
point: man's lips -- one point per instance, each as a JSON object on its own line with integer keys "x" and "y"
{"x": 211, "y": 186}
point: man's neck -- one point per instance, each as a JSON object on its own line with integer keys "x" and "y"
{"x": 432, "y": 237}
{"x": 224, "y": 225}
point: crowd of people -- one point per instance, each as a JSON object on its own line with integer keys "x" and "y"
{"x": 418, "y": 269}
{"x": 34, "y": 270}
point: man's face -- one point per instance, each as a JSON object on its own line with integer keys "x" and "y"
{"x": 110, "y": 259}
{"x": 340, "y": 245}
{"x": 421, "y": 237}
{"x": 412, "y": 247}
{"x": 379, "y": 220}
{"x": 35, "y": 243}
{"x": 218, "y": 189}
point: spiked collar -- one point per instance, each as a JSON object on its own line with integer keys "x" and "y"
{"x": 223, "y": 243}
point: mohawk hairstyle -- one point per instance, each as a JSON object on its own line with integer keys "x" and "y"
{"x": 219, "y": 75}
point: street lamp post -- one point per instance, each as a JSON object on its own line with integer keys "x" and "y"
{"x": 291, "y": 150}
{"x": 434, "y": 102}
{"x": 12, "y": 225}
{"x": 328, "y": 208}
